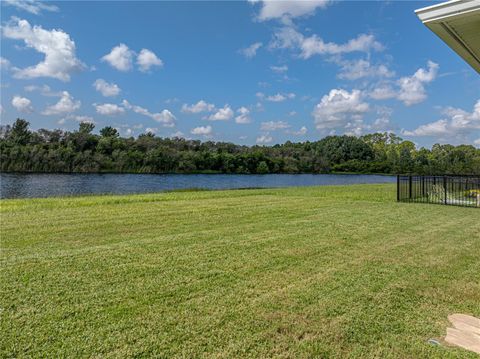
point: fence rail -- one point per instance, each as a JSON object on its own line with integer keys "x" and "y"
{"x": 449, "y": 190}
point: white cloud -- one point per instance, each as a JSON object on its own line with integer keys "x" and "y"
{"x": 477, "y": 142}
{"x": 178, "y": 134}
{"x": 274, "y": 125}
{"x": 120, "y": 57}
{"x": 128, "y": 132}
{"x": 274, "y": 9}
{"x": 146, "y": 59}
{"x": 340, "y": 109}
{"x": 279, "y": 69}
{"x": 65, "y": 105}
{"x": 251, "y": 50}
{"x": 109, "y": 109}
{"x": 243, "y": 116}
{"x": 60, "y": 60}
{"x": 314, "y": 45}
{"x": 153, "y": 130}
{"x": 4, "y": 63}
{"x": 165, "y": 117}
{"x": 279, "y": 97}
{"x": 265, "y": 138}
{"x": 288, "y": 37}
{"x": 408, "y": 89}
{"x": 22, "y": 104}
{"x": 82, "y": 118}
{"x": 412, "y": 90}
{"x": 77, "y": 118}
{"x": 44, "y": 90}
{"x": 105, "y": 88}
{"x": 457, "y": 124}
{"x": 222, "y": 114}
{"x": 437, "y": 128}
{"x": 202, "y": 130}
{"x": 383, "y": 123}
{"x": 200, "y": 106}
{"x": 356, "y": 69}
{"x": 33, "y": 7}
{"x": 301, "y": 132}
{"x": 383, "y": 92}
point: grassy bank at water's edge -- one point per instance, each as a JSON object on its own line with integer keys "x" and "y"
{"x": 334, "y": 271}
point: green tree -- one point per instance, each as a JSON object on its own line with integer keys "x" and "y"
{"x": 262, "y": 168}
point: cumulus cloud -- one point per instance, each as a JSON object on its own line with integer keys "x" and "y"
{"x": 83, "y": 118}
{"x": 314, "y": 45}
{"x": 165, "y": 117}
{"x": 77, "y": 118}
{"x": 60, "y": 60}
{"x": 222, "y": 114}
{"x": 202, "y": 131}
{"x": 200, "y": 106}
{"x": 383, "y": 92}
{"x": 264, "y": 139}
{"x": 279, "y": 97}
{"x": 340, "y": 109}
{"x": 301, "y": 132}
{"x": 457, "y": 124}
{"x": 44, "y": 90}
{"x": 153, "y": 130}
{"x": 109, "y": 109}
{"x": 288, "y": 37}
{"x": 274, "y": 125}
{"x": 31, "y": 6}
{"x": 412, "y": 89}
{"x": 251, "y": 50}
{"x": 65, "y": 105}
{"x": 178, "y": 134}
{"x": 22, "y": 104}
{"x": 272, "y": 9}
{"x": 105, "y": 88}
{"x": 383, "y": 123}
{"x": 147, "y": 59}
{"x": 243, "y": 116}
{"x": 120, "y": 57}
{"x": 408, "y": 89}
{"x": 357, "y": 69}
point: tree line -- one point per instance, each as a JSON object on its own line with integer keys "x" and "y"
{"x": 82, "y": 151}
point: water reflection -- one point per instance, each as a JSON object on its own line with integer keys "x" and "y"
{"x": 48, "y": 185}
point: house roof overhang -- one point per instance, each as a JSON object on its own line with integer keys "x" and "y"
{"x": 457, "y": 23}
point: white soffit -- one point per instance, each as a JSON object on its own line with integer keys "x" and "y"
{"x": 457, "y": 23}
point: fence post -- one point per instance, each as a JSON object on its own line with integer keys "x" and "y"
{"x": 410, "y": 187}
{"x": 398, "y": 188}
{"x": 445, "y": 188}
{"x": 423, "y": 188}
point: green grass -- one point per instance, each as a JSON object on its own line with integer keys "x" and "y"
{"x": 301, "y": 272}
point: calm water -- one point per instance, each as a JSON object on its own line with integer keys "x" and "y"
{"x": 48, "y": 185}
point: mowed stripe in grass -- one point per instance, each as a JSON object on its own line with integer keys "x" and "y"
{"x": 340, "y": 271}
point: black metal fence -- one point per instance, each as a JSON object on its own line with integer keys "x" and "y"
{"x": 449, "y": 190}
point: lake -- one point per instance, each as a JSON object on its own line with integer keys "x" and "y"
{"x": 15, "y": 185}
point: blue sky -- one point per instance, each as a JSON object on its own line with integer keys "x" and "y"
{"x": 246, "y": 72}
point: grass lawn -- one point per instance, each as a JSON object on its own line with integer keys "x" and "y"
{"x": 301, "y": 272}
